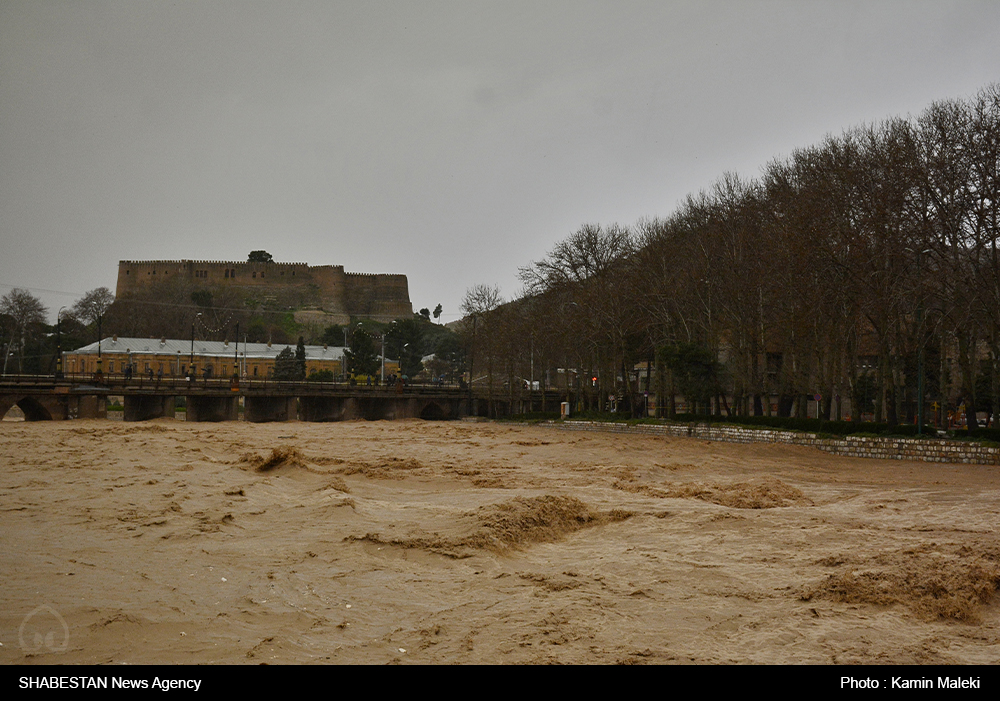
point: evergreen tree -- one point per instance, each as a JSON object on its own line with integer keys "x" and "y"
{"x": 404, "y": 341}
{"x": 285, "y": 366}
{"x": 362, "y": 357}
{"x": 300, "y": 360}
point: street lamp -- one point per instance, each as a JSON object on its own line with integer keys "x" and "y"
{"x": 343, "y": 359}
{"x": 99, "y": 375}
{"x": 569, "y": 397}
{"x": 59, "y": 367}
{"x": 920, "y": 338}
{"x": 191, "y": 361}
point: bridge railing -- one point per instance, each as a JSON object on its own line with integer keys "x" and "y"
{"x": 14, "y": 379}
{"x": 117, "y": 382}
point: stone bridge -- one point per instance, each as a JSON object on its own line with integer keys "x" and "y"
{"x": 44, "y": 398}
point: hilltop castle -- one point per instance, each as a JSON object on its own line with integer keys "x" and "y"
{"x": 333, "y": 295}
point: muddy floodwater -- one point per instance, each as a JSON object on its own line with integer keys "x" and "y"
{"x": 455, "y": 542}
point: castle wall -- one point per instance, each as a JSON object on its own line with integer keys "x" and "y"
{"x": 379, "y": 296}
{"x": 135, "y": 275}
{"x": 382, "y": 297}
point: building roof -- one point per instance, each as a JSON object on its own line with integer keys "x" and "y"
{"x": 220, "y": 349}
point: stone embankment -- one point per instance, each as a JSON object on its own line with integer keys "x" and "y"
{"x": 928, "y": 450}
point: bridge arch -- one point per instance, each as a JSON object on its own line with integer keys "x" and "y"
{"x": 432, "y": 411}
{"x": 32, "y": 408}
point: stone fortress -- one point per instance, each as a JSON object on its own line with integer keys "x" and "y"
{"x": 333, "y": 295}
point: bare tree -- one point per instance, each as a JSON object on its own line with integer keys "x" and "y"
{"x": 25, "y": 311}
{"x": 481, "y": 303}
{"x": 590, "y": 251}
{"x": 93, "y": 305}
{"x": 589, "y": 288}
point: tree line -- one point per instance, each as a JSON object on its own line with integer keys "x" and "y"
{"x": 30, "y": 344}
{"x": 863, "y": 267}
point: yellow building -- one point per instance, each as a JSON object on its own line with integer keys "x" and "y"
{"x": 166, "y": 357}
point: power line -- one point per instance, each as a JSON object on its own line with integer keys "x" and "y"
{"x": 42, "y": 289}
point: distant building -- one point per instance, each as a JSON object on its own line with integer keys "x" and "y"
{"x": 168, "y": 357}
{"x": 327, "y": 294}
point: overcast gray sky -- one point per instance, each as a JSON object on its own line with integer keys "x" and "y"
{"x": 450, "y": 141}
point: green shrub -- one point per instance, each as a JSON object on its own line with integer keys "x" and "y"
{"x": 988, "y": 434}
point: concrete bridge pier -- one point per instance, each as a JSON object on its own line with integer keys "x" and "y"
{"x": 86, "y": 406}
{"x": 321, "y": 408}
{"x": 212, "y": 408}
{"x": 263, "y": 409}
{"x": 142, "y": 407}
{"x": 368, "y": 408}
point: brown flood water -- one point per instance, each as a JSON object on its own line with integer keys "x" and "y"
{"x": 434, "y": 542}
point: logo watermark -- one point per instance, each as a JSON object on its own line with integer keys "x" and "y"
{"x": 43, "y": 629}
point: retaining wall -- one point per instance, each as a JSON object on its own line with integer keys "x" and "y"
{"x": 928, "y": 450}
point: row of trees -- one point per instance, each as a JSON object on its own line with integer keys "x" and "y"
{"x": 852, "y": 268}
{"x": 30, "y": 344}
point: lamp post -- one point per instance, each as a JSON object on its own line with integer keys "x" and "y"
{"x": 472, "y": 358}
{"x": 99, "y": 374}
{"x": 920, "y": 337}
{"x": 343, "y": 360}
{"x": 59, "y": 366}
{"x": 191, "y": 360}
{"x": 399, "y": 359}
{"x": 358, "y": 329}
{"x": 920, "y": 351}
{"x": 569, "y": 391}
